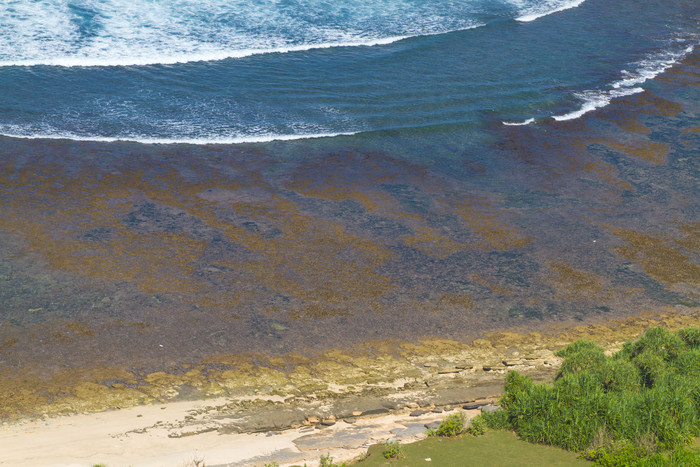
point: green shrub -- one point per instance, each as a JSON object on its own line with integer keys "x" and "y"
{"x": 327, "y": 461}
{"x": 579, "y": 356}
{"x": 617, "y": 374}
{"x": 497, "y": 420}
{"x": 453, "y": 425}
{"x": 620, "y": 457}
{"x": 691, "y": 336}
{"x": 658, "y": 341}
{"x": 635, "y": 404}
{"x": 391, "y": 450}
{"x": 477, "y": 426}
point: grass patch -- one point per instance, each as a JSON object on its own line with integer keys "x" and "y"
{"x": 494, "y": 448}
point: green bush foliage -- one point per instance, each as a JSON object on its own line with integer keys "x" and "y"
{"x": 327, "y": 461}
{"x": 643, "y": 400}
{"x": 453, "y": 425}
{"x": 391, "y": 450}
{"x": 476, "y": 427}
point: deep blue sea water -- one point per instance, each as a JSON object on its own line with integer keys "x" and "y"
{"x": 242, "y": 71}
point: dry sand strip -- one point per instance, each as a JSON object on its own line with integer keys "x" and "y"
{"x": 159, "y": 435}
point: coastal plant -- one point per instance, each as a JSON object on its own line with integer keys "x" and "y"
{"x": 327, "y": 461}
{"x": 640, "y": 402}
{"x": 496, "y": 420}
{"x": 453, "y": 425}
{"x": 477, "y": 426}
{"x": 391, "y": 450}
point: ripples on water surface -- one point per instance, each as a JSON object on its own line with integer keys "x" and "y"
{"x": 233, "y": 72}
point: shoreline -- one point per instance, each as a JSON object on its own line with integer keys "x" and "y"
{"x": 269, "y": 421}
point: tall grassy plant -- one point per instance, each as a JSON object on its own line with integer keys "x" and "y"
{"x": 645, "y": 398}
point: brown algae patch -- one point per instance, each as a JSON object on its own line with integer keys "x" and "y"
{"x": 576, "y": 283}
{"x": 661, "y": 257}
{"x": 650, "y": 151}
{"x": 157, "y": 232}
{"x": 627, "y": 117}
{"x": 382, "y": 366}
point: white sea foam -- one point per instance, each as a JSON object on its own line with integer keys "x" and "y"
{"x": 124, "y": 33}
{"x": 203, "y": 56}
{"x": 263, "y": 138}
{"x": 531, "y": 12}
{"x": 642, "y": 71}
{"x": 526, "y": 122}
{"x": 596, "y": 99}
{"x": 651, "y": 66}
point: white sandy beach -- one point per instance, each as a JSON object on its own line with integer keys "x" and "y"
{"x": 143, "y": 436}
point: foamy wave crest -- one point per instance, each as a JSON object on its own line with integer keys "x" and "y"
{"x": 203, "y": 56}
{"x": 264, "y": 138}
{"x": 530, "y": 11}
{"x": 596, "y": 99}
{"x": 644, "y": 70}
{"x": 123, "y": 32}
{"x": 526, "y": 122}
{"x": 651, "y": 66}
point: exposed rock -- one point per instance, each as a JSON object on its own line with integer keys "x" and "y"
{"x": 377, "y": 411}
{"x": 448, "y": 371}
{"x": 418, "y": 413}
{"x": 475, "y": 405}
{"x": 512, "y": 362}
{"x": 433, "y": 425}
{"x": 464, "y": 366}
{"x": 490, "y": 408}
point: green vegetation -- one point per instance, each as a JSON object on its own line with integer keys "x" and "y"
{"x": 452, "y": 426}
{"x": 495, "y": 448}
{"x": 392, "y": 450}
{"x": 477, "y": 426}
{"x": 640, "y": 406}
{"x": 327, "y": 461}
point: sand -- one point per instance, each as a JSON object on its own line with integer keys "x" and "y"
{"x": 143, "y": 436}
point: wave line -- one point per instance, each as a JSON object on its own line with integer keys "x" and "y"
{"x": 532, "y": 16}
{"x": 198, "y": 141}
{"x": 86, "y": 62}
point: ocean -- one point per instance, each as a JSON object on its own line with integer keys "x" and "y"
{"x": 183, "y": 179}
{"x": 233, "y": 72}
